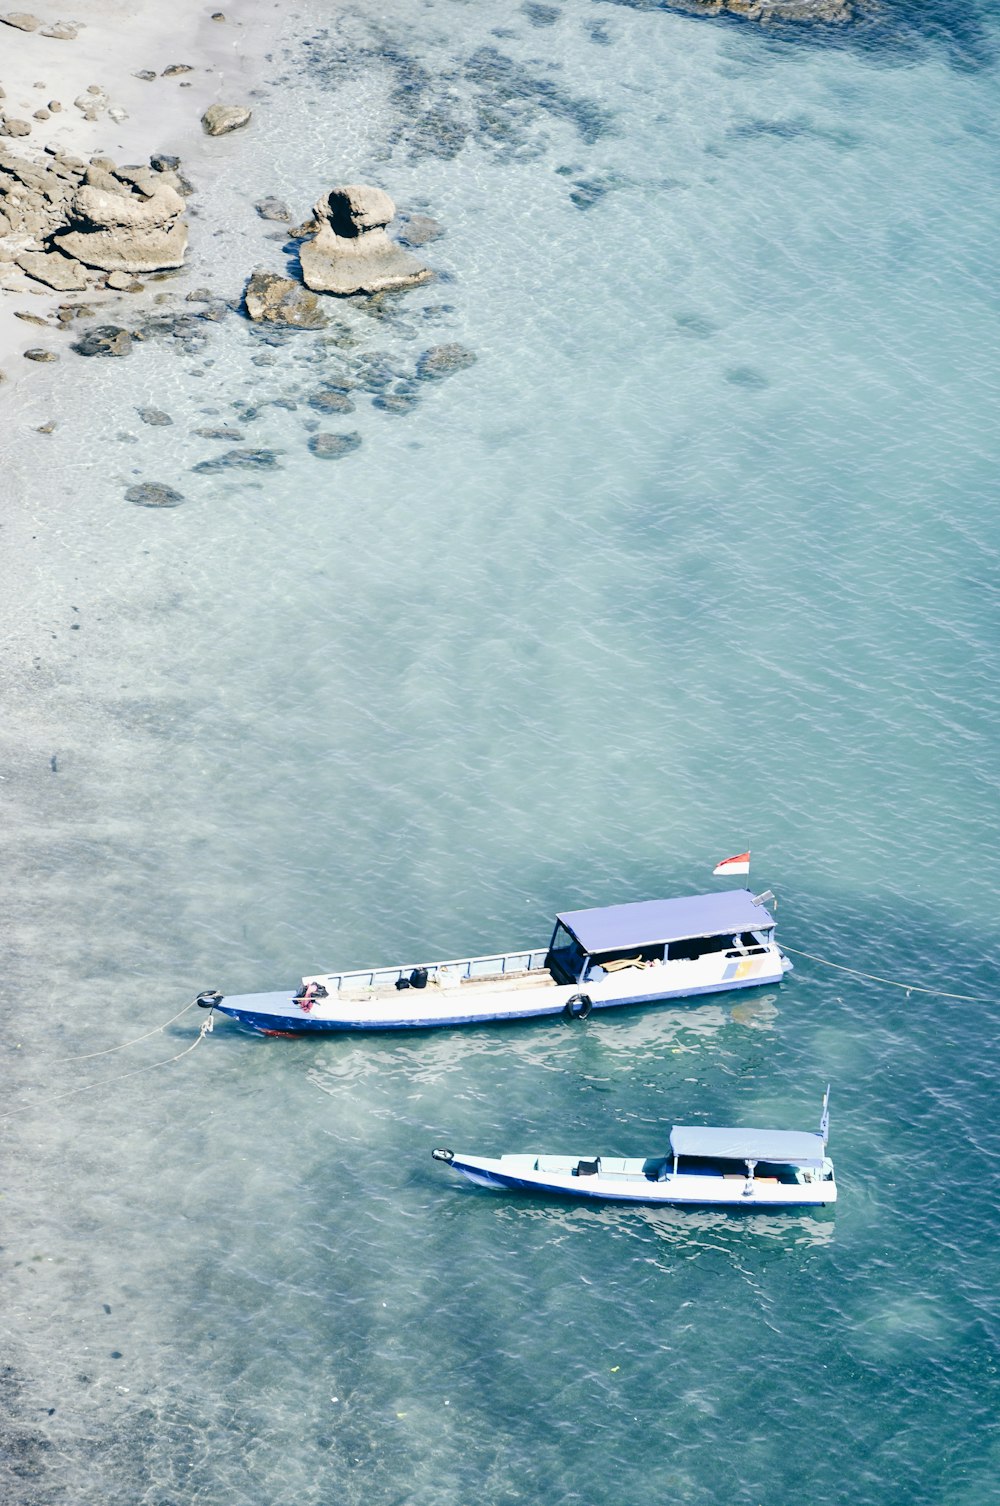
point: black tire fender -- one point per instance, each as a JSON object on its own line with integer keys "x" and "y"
{"x": 577, "y": 1007}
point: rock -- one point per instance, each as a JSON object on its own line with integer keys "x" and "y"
{"x": 21, "y": 20}
{"x": 441, "y": 360}
{"x": 55, "y": 270}
{"x": 41, "y": 115}
{"x": 55, "y": 107}
{"x": 331, "y": 402}
{"x": 62, "y": 31}
{"x": 146, "y": 74}
{"x": 124, "y": 282}
{"x": 153, "y": 494}
{"x": 218, "y": 15}
{"x": 176, "y": 69}
{"x": 396, "y": 402}
{"x": 418, "y": 229}
{"x": 219, "y": 120}
{"x": 233, "y": 435}
{"x": 243, "y": 460}
{"x": 104, "y": 340}
{"x": 36, "y": 353}
{"x": 11, "y": 127}
{"x": 125, "y": 231}
{"x": 93, "y": 99}
{"x": 351, "y": 253}
{"x": 277, "y": 300}
{"x": 32, "y": 318}
{"x": 155, "y": 417}
{"x": 162, "y": 162}
{"x": 48, "y": 428}
{"x": 273, "y": 209}
{"x": 333, "y": 446}
{"x": 117, "y": 114}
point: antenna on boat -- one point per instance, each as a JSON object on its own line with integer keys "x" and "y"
{"x": 824, "y": 1118}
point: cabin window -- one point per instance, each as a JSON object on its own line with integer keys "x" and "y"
{"x": 692, "y": 948}
{"x": 613, "y": 962}
{"x": 565, "y": 957}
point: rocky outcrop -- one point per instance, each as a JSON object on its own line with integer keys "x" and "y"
{"x": 120, "y": 224}
{"x": 351, "y": 252}
{"x": 54, "y": 270}
{"x": 272, "y": 299}
{"x": 61, "y": 217}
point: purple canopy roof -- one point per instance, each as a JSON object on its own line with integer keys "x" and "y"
{"x": 651, "y": 921}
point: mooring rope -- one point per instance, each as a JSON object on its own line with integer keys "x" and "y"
{"x": 62, "y": 1061}
{"x": 910, "y": 988}
{"x": 105, "y": 1082}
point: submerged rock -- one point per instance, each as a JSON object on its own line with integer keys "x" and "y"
{"x": 36, "y": 353}
{"x": 241, "y": 460}
{"x": 153, "y": 494}
{"x": 278, "y": 300}
{"x": 396, "y": 402}
{"x": 331, "y": 402}
{"x": 155, "y": 417}
{"x": 333, "y": 446}
{"x": 419, "y": 229}
{"x": 351, "y": 252}
{"x": 105, "y": 340}
{"x": 441, "y": 360}
{"x": 273, "y": 209}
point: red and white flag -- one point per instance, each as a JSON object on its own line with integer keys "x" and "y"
{"x": 739, "y": 864}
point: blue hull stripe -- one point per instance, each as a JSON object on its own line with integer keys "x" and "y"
{"x": 517, "y": 1184}
{"x": 302, "y": 1024}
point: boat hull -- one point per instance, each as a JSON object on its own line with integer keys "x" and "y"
{"x": 554, "y": 1176}
{"x": 282, "y": 1014}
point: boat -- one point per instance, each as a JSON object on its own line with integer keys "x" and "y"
{"x": 707, "y": 1166}
{"x": 637, "y": 953}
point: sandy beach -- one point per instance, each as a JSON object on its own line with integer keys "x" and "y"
{"x": 199, "y": 56}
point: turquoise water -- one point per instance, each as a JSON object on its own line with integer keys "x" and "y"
{"x": 700, "y": 553}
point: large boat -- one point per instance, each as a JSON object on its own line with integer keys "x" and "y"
{"x": 707, "y": 1166}
{"x": 638, "y": 953}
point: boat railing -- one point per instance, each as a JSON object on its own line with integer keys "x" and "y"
{"x": 456, "y": 970}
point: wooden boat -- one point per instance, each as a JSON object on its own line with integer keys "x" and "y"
{"x": 637, "y": 953}
{"x": 707, "y": 1166}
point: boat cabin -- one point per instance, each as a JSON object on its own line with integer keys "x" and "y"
{"x": 788, "y": 1156}
{"x": 587, "y": 945}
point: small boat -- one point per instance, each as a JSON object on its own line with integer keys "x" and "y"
{"x": 638, "y": 953}
{"x": 707, "y": 1166}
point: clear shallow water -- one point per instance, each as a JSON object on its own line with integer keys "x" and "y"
{"x": 702, "y": 551}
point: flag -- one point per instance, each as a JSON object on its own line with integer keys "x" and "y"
{"x": 739, "y": 864}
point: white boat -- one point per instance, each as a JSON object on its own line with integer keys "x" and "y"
{"x": 638, "y": 953}
{"x": 706, "y": 1166}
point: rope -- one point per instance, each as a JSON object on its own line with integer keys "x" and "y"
{"x": 62, "y": 1061}
{"x": 107, "y": 1081}
{"x": 911, "y": 988}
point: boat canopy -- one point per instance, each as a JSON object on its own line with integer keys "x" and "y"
{"x": 651, "y": 922}
{"x": 795, "y": 1147}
